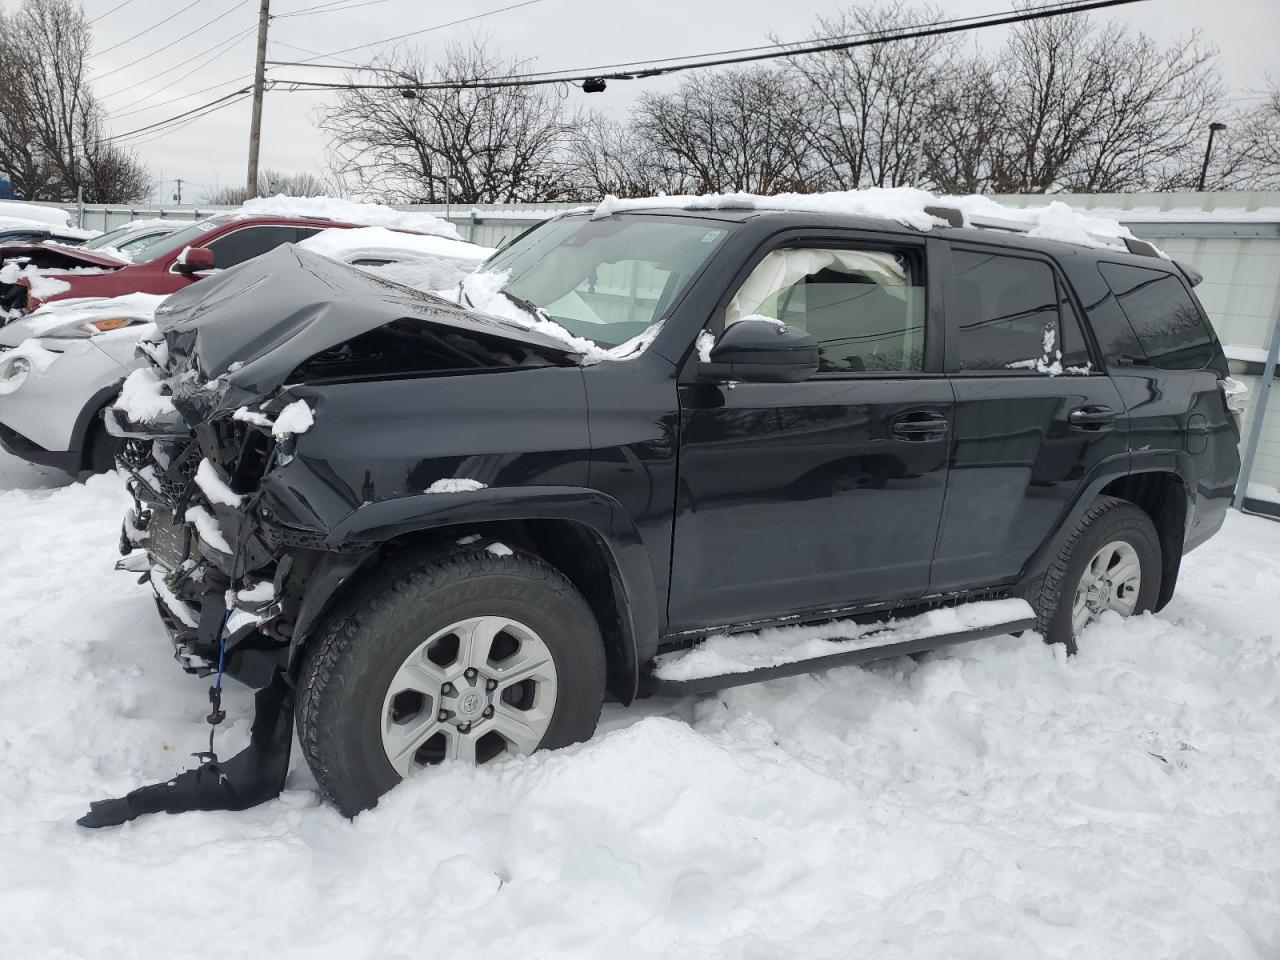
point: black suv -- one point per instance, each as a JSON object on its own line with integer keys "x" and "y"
{"x": 450, "y": 530}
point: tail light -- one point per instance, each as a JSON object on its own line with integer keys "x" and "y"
{"x": 1236, "y": 396}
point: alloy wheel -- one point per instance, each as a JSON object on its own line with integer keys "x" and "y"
{"x": 478, "y": 689}
{"x": 1111, "y": 580}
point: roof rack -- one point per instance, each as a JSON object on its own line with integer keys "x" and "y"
{"x": 955, "y": 217}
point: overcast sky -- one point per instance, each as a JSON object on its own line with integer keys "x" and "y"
{"x": 557, "y": 33}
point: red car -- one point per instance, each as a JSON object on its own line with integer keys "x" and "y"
{"x": 221, "y": 241}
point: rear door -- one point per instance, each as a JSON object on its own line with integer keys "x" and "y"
{"x": 795, "y": 497}
{"x": 1034, "y": 412}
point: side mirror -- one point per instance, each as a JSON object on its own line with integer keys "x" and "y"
{"x": 761, "y": 351}
{"x": 194, "y": 260}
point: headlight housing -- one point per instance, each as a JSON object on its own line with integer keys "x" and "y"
{"x": 90, "y": 328}
{"x": 13, "y": 374}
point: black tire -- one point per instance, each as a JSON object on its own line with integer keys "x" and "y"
{"x": 1108, "y": 519}
{"x": 103, "y": 448}
{"x": 356, "y": 651}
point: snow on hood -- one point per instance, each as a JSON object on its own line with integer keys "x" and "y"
{"x": 236, "y": 337}
{"x": 905, "y": 205}
{"x": 347, "y": 211}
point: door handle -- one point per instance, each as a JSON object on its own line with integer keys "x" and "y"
{"x": 920, "y": 426}
{"x": 1091, "y": 417}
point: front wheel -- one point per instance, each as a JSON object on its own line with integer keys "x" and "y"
{"x": 469, "y": 656}
{"x": 1111, "y": 561}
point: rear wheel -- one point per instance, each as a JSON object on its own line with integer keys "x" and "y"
{"x": 1111, "y": 561}
{"x": 467, "y": 657}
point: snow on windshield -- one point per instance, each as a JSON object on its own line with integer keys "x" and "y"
{"x": 423, "y": 262}
{"x": 347, "y": 211}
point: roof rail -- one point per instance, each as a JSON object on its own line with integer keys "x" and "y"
{"x": 955, "y": 217}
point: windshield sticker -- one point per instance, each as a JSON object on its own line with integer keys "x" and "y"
{"x": 712, "y": 236}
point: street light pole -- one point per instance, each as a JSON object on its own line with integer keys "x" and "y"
{"x": 1208, "y": 151}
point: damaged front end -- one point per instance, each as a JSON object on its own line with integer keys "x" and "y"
{"x": 229, "y": 530}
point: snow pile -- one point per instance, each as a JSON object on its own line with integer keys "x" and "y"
{"x": 207, "y": 527}
{"x": 31, "y": 212}
{"x": 455, "y": 485}
{"x": 143, "y": 399}
{"x": 39, "y": 281}
{"x": 744, "y": 652}
{"x": 214, "y": 487}
{"x": 347, "y": 211}
{"x": 996, "y": 800}
{"x": 294, "y": 419}
{"x": 426, "y": 263}
{"x": 905, "y": 205}
{"x": 81, "y": 311}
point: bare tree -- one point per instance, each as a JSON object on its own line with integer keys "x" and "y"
{"x": 51, "y": 127}
{"x": 875, "y": 103}
{"x": 471, "y": 145}
{"x": 270, "y": 183}
{"x": 607, "y": 157}
{"x": 729, "y": 130}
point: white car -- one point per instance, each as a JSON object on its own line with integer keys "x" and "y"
{"x": 61, "y": 365}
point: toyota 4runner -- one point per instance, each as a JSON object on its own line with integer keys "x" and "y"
{"x": 450, "y": 529}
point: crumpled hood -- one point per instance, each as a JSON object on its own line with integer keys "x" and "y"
{"x": 250, "y": 327}
{"x": 55, "y": 255}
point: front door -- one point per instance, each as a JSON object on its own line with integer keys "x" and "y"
{"x": 1034, "y": 414}
{"x": 822, "y": 494}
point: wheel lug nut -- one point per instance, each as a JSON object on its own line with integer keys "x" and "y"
{"x": 491, "y": 684}
{"x": 444, "y": 715}
{"x": 488, "y": 711}
{"x": 447, "y": 690}
{"x": 464, "y": 728}
{"x": 471, "y": 673}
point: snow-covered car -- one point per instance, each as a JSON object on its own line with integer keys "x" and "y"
{"x": 61, "y": 365}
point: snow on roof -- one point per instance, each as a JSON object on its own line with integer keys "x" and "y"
{"x": 380, "y": 243}
{"x": 152, "y": 223}
{"x": 906, "y": 205}
{"x": 30, "y": 211}
{"x": 348, "y": 211}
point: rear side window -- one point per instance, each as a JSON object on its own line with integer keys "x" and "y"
{"x": 1170, "y": 329}
{"x": 1013, "y": 316}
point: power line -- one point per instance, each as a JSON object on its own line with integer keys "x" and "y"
{"x": 227, "y": 44}
{"x": 597, "y": 75}
{"x": 204, "y": 109}
{"x": 232, "y": 9}
{"x": 109, "y": 12}
{"x": 185, "y": 96}
{"x": 337, "y": 6}
{"x": 159, "y": 23}
{"x": 415, "y": 33}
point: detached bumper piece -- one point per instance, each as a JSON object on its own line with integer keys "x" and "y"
{"x": 254, "y": 775}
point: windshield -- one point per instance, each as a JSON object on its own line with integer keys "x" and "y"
{"x": 105, "y": 239}
{"x": 607, "y": 280}
{"x": 192, "y": 236}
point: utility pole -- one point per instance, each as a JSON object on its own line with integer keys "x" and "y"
{"x": 259, "y": 78}
{"x": 1208, "y": 152}
{"x": 178, "y": 197}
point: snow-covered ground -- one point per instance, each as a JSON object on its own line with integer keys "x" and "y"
{"x": 993, "y": 801}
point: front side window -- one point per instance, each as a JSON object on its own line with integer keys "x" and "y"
{"x": 608, "y": 279}
{"x": 1168, "y": 326}
{"x": 240, "y": 245}
{"x": 1012, "y": 316}
{"x": 192, "y": 236}
{"x": 864, "y": 308}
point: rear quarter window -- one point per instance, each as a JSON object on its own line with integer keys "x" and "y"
{"x": 1169, "y": 326}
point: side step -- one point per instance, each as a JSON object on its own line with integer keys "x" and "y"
{"x": 735, "y": 660}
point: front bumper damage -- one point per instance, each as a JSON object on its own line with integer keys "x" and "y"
{"x": 218, "y": 589}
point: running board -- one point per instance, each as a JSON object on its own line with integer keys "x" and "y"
{"x": 679, "y": 674}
